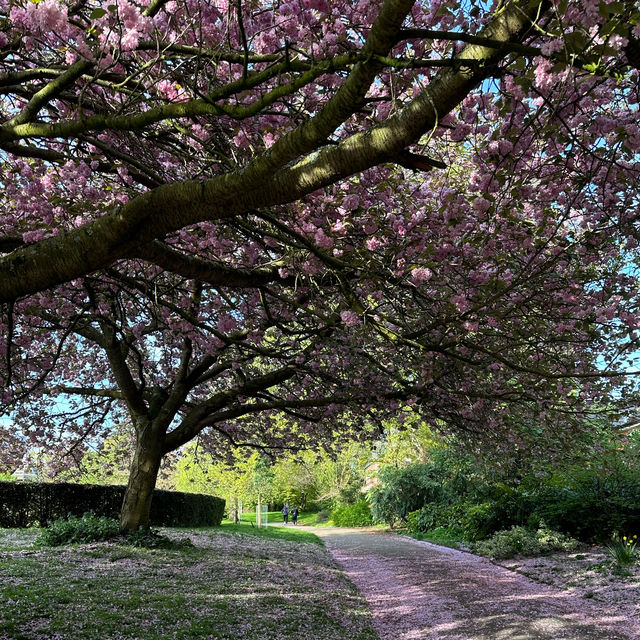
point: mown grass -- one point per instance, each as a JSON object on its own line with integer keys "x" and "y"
{"x": 235, "y": 582}
{"x": 275, "y": 517}
{"x": 274, "y": 532}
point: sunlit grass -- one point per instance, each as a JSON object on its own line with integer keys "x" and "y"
{"x": 275, "y": 517}
{"x": 289, "y": 532}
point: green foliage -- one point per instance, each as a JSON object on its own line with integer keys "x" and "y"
{"x": 246, "y": 479}
{"x": 352, "y": 515}
{"x": 150, "y": 539}
{"x": 33, "y": 503}
{"x": 452, "y": 536}
{"x": 403, "y": 490}
{"x": 591, "y": 504}
{"x": 87, "y": 528}
{"x": 411, "y": 441}
{"x": 623, "y": 550}
{"x": 434, "y": 515}
{"x": 292, "y": 534}
{"x": 524, "y": 542}
{"x": 110, "y": 464}
{"x": 593, "y": 495}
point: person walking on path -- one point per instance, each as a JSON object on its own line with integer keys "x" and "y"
{"x": 285, "y": 513}
{"x": 294, "y": 515}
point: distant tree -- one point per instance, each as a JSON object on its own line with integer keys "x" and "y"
{"x": 240, "y": 481}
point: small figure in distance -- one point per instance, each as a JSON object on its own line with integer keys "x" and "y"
{"x": 294, "y": 515}
{"x": 285, "y": 513}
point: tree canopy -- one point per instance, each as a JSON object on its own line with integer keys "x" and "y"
{"x": 217, "y": 211}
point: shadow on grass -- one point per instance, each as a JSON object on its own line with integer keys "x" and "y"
{"x": 294, "y": 534}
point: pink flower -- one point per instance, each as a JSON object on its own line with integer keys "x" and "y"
{"x": 350, "y": 318}
{"x": 373, "y": 243}
{"x": 351, "y": 202}
{"x": 226, "y": 322}
{"x": 420, "y": 275}
{"x": 323, "y": 240}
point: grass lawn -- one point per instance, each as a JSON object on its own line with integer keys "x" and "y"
{"x": 236, "y": 582}
{"x": 305, "y": 517}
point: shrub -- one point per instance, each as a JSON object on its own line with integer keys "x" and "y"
{"x": 591, "y": 504}
{"x": 352, "y": 515}
{"x": 482, "y": 520}
{"x": 88, "y": 528}
{"x": 34, "y": 503}
{"x": 92, "y": 528}
{"x": 149, "y": 539}
{"x": 524, "y": 542}
{"x": 434, "y": 515}
{"x": 404, "y": 490}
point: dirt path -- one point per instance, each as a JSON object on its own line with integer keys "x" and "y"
{"x": 419, "y": 591}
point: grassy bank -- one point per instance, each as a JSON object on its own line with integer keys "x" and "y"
{"x": 235, "y": 582}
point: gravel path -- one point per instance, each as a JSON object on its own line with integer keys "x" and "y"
{"x": 417, "y": 590}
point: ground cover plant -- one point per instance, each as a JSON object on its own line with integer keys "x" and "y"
{"x": 589, "y": 573}
{"x": 234, "y": 582}
{"x": 87, "y": 528}
{"x": 520, "y": 541}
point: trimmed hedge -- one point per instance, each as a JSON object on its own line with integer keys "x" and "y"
{"x": 36, "y": 503}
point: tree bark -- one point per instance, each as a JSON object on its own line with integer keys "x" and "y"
{"x": 143, "y": 474}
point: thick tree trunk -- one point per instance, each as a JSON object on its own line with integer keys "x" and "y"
{"x": 142, "y": 481}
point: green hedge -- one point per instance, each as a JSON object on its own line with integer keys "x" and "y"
{"x": 34, "y": 503}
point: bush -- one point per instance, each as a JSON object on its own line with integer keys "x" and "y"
{"x": 177, "y": 509}
{"x": 524, "y": 542}
{"x": 34, "y": 503}
{"x": 92, "y": 528}
{"x": 88, "y": 528}
{"x": 149, "y": 539}
{"x": 434, "y": 515}
{"x": 352, "y": 515}
{"x": 404, "y": 490}
{"x": 591, "y": 504}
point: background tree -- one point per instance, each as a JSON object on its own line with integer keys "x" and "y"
{"x": 309, "y": 207}
{"x": 240, "y": 480}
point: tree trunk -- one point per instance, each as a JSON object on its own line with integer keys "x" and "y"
{"x": 142, "y": 481}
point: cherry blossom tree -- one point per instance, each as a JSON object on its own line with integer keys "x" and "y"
{"x": 216, "y": 212}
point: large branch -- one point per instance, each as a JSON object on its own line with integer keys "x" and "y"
{"x": 266, "y": 181}
{"x": 196, "y": 268}
{"x": 193, "y": 422}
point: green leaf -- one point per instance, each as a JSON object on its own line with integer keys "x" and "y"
{"x": 96, "y": 14}
{"x": 575, "y": 42}
{"x": 605, "y": 10}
